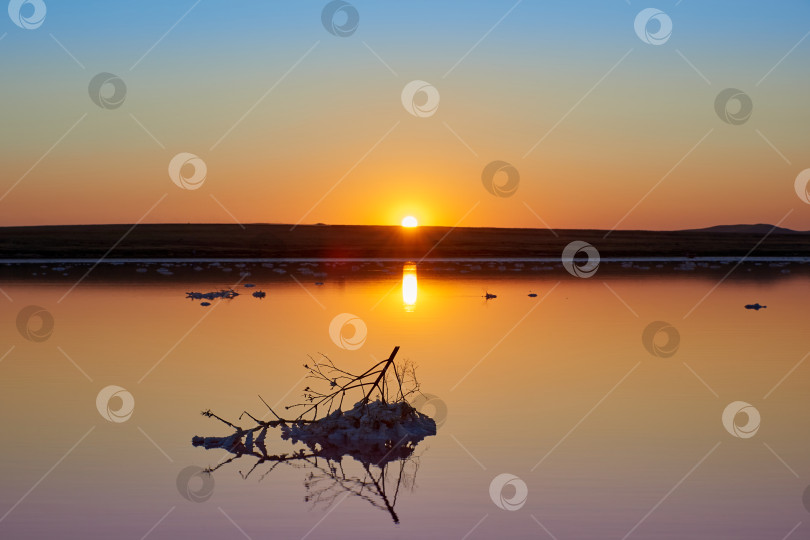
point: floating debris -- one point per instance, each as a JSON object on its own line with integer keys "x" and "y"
{"x": 206, "y": 304}
{"x": 490, "y": 296}
{"x": 374, "y": 433}
{"x": 532, "y": 295}
{"x": 756, "y": 307}
{"x": 224, "y": 293}
{"x": 259, "y": 294}
{"x": 319, "y": 283}
{"x": 249, "y": 285}
{"x": 365, "y": 426}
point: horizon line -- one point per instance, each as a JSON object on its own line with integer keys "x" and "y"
{"x": 321, "y": 224}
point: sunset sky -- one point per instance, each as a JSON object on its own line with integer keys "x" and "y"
{"x": 296, "y": 124}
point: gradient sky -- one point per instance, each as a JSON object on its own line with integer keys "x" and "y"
{"x": 319, "y": 123}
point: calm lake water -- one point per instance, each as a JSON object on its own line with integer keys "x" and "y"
{"x": 559, "y": 391}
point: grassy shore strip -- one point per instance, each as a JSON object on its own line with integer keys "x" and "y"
{"x": 266, "y": 241}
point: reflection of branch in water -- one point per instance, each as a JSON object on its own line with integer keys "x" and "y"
{"x": 373, "y": 489}
{"x": 375, "y": 434}
{"x": 328, "y": 477}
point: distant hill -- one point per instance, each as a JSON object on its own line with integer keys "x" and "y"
{"x": 758, "y": 228}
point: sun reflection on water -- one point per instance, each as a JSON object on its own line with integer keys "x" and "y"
{"x": 409, "y": 288}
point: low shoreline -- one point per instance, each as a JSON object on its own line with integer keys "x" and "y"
{"x": 221, "y": 274}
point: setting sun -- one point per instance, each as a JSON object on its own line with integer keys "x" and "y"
{"x": 409, "y": 221}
